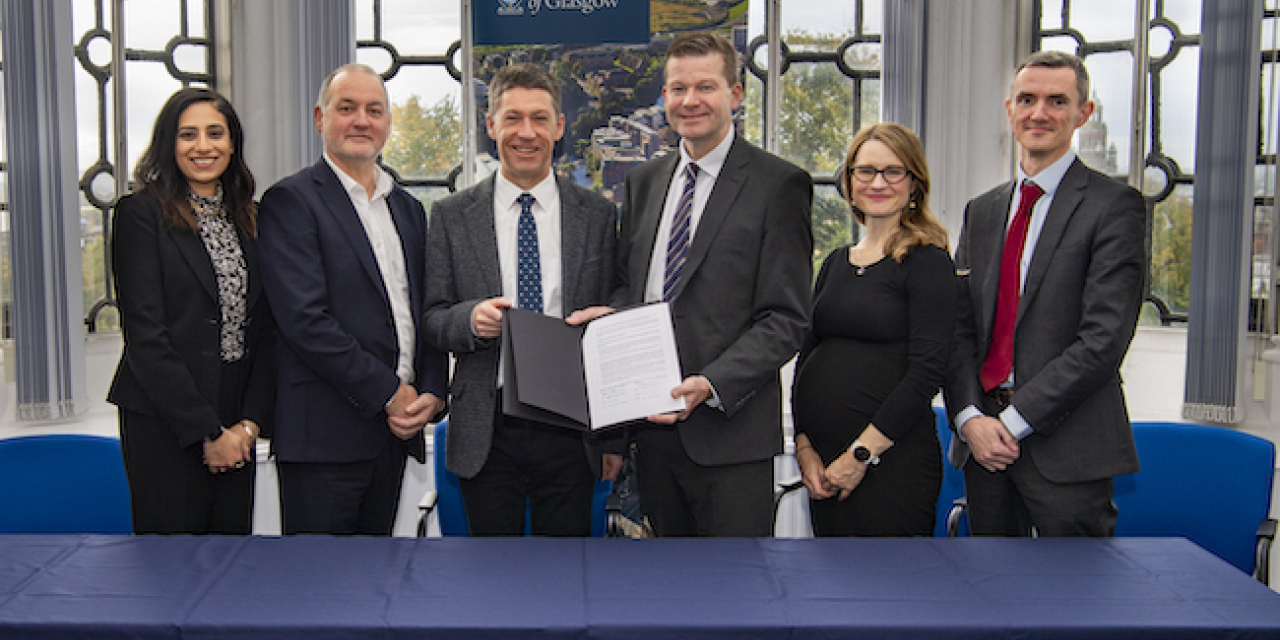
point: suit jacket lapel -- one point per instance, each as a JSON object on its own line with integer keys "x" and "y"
{"x": 647, "y": 226}
{"x": 1065, "y": 202}
{"x": 728, "y": 183}
{"x": 197, "y": 257}
{"x": 338, "y": 204}
{"x": 988, "y": 247}
{"x": 573, "y": 226}
{"x": 193, "y": 251}
{"x": 477, "y": 216}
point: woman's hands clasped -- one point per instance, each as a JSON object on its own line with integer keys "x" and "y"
{"x": 233, "y": 449}
{"x": 812, "y": 471}
{"x": 845, "y": 474}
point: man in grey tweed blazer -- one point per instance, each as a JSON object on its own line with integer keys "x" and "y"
{"x": 473, "y": 260}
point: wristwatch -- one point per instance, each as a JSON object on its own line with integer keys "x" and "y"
{"x": 862, "y": 454}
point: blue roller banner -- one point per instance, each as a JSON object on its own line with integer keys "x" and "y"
{"x": 526, "y": 22}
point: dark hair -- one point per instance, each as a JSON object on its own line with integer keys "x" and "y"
{"x": 523, "y": 75}
{"x": 704, "y": 43}
{"x": 1060, "y": 60}
{"x": 158, "y": 173}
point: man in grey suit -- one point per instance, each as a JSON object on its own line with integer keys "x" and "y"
{"x": 527, "y": 238}
{"x": 1051, "y": 269}
{"x": 720, "y": 229}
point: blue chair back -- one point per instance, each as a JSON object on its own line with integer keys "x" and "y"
{"x": 1211, "y": 485}
{"x": 952, "y": 479}
{"x": 452, "y": 515}
{"x": 63, "y": 484}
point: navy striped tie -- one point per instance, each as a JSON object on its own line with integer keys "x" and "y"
{"x": 528, "y": 264}
{"x": 678, "y": 244}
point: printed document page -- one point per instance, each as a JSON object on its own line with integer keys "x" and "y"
{"x": 631, "y": 365}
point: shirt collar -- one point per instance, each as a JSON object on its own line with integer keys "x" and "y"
{"x": 505, "y": 191}
{"x": 1051, "y": 176}
{"x": 380, "y": 189}
{"x": 711, "y": 163}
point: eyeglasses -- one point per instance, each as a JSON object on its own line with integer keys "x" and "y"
{"x": 867, "y": 173}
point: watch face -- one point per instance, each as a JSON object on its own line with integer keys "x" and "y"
{"x": 861, "y": 454}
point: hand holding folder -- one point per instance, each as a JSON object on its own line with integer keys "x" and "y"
{"x": 618, "y": 368}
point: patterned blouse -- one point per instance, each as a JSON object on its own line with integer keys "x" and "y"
{"x": 223, "y": 244}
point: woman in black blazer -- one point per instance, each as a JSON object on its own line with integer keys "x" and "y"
{"x": 195, "y": 386}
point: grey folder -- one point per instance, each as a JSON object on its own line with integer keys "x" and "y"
{"x": 543, "y": 378}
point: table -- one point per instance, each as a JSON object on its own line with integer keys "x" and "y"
{"x": 328, "y": 587}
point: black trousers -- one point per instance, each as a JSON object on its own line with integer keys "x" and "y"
{"x": 1011, "y": 502}
{"x": 171, "y": 488}
{"x": 529, "y": 461}
{"x": 683, "y": 498}
{"x": 343, "y": 498}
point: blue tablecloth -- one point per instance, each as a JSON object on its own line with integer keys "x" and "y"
{"x": 321, "y": 587}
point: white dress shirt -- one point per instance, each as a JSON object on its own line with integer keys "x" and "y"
{"x": 380, "y": 228}
{"x": 708, "y": 170}
{"x": 709, "y": 167}
{"x": 506, "y": 227}
{"x": 1048, "y": 179}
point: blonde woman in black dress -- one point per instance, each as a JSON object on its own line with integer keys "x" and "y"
{"x": 876, "y": 351}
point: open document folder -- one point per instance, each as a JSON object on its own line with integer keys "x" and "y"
{"x": 618, "y": 368}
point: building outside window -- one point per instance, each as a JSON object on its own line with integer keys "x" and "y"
{"x": 1102, "y": 33}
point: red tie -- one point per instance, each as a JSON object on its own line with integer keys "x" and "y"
{"x": 1000, "y": 354}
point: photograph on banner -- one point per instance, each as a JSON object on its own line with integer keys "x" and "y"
{"x": 608, "y": 56}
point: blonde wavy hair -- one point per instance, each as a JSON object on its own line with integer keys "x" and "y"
{"x": 916, "y": 226}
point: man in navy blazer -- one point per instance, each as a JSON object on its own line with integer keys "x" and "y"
{"x": 1034, "y": 392}
{"x": 739, "y": 292}
{"x": 343, "y": 257}
{"x": 473, "y": 275}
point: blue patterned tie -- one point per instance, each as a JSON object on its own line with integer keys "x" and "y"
{"x": 678, "y": 243}
{"x": 529, "y": 266}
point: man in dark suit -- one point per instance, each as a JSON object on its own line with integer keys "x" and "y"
{"x": 528, "y": 238}
{"x": 732, "y": 254}
{"x": 1051, "y": 269}
{"x": 342, "y": 252}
